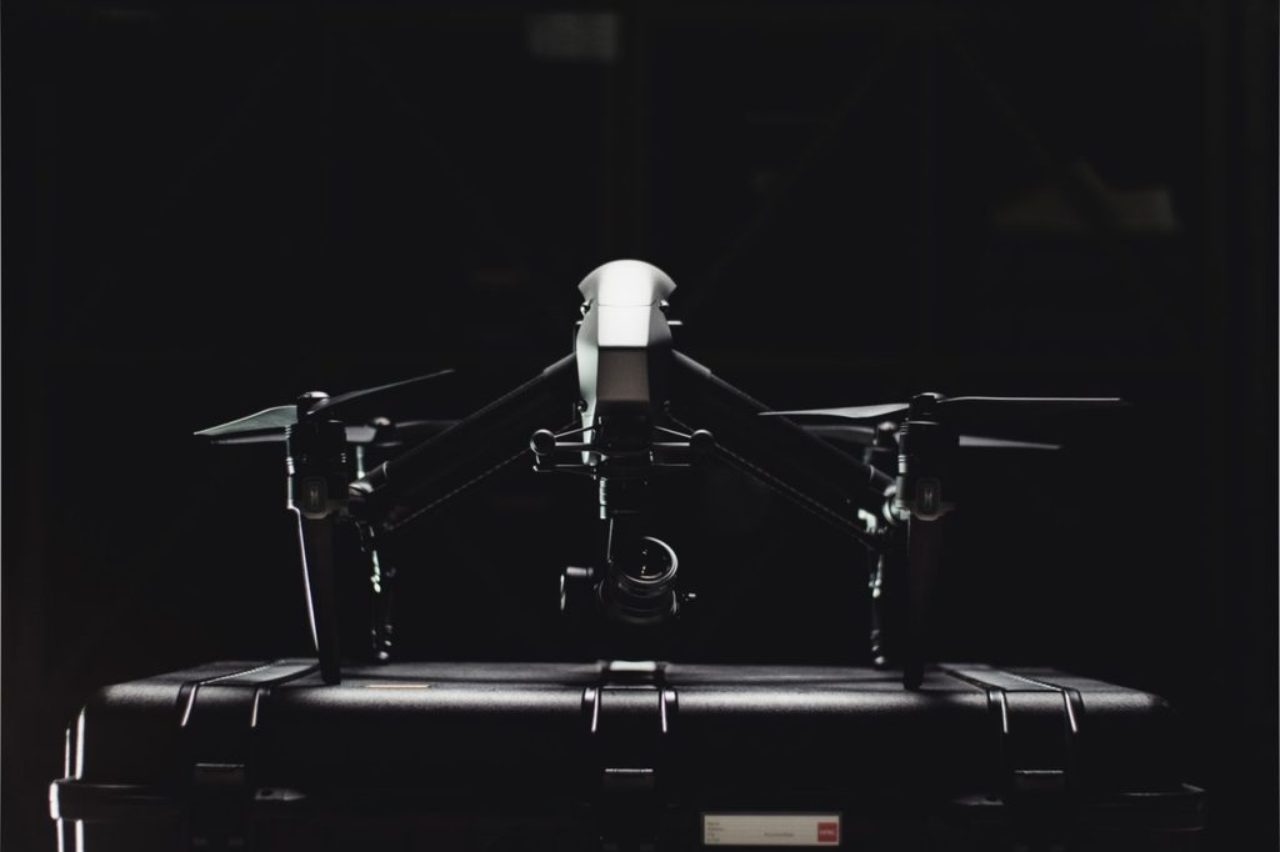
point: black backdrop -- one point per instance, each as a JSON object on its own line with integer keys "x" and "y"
{"x": 211, "y": 207}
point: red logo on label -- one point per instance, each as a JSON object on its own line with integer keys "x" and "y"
{"x": 828, "y": 832}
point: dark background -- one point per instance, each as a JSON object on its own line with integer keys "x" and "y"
{"x": 212, "y": 207}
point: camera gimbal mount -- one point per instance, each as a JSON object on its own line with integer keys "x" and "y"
{"x": 623, "y": 352}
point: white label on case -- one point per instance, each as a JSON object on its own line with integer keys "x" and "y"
{"x": 771, "y": 829}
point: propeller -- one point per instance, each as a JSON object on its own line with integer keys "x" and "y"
{"x": 924, "y": 493}
{"x": 388, "y": 434}
{"x": 963, "y": 407}
{"x": 379, "y": 432}
{"x": 272, "y": 424}
{"x": 865, "y": 436}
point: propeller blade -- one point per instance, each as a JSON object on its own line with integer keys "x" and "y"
{"x": 997, "y": 405}
{"x": 853, "y": 412}
{"x": 271, "y": 424}
{"x": 412, "y": 432}
{"x": 973, "y": 406}
{"x": 367, "y": 394}
{"x": 982, "y": 442}
{"x": 844, "y": 433}
{"x": 275, "y": 436}
{"x": 397, "y": 434}
{"x": 408, "y": 432}
{"x": 865, "y": 436}
{"x": 255, "y": 427}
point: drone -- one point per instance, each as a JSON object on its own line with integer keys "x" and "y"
{"x": 622, "y": 409}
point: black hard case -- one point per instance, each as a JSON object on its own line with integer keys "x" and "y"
{"x": 588, "y": 756}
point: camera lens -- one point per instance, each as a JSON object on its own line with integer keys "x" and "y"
{"x": 641, "y": 590}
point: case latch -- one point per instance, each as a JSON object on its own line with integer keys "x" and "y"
{"x": 629, "y": 717}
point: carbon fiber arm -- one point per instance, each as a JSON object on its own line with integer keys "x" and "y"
{"x": 399, "y": 490}
{"x": 781, "y": 455}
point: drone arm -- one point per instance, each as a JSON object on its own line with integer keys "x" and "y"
{"x": 400, "y": 489}
{"x": 778, "y": 453}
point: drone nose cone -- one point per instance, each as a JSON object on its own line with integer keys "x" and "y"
{"x": 626, "y": 283}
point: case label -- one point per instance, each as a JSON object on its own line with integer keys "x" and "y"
{"x": 771, "y": 829}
